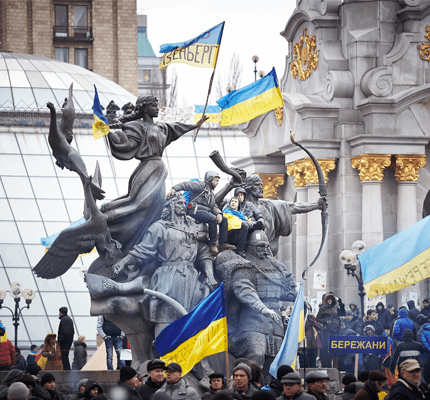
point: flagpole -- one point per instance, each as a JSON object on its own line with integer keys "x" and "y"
{"x": 210, "y": 83}
{"x": 227, "y": 372}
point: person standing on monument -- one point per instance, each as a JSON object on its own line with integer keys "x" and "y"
{"x": 66, "y": 331}
{"x": 113, "y": 337}
{"x": 202, "y": 207}
{"x": 130, "y": 216}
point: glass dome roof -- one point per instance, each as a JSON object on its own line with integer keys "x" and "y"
{"x": 28, "y": 82}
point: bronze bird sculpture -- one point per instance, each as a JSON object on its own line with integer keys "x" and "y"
{"x": 60, "y": 138}
{"x": 81, "y": 239}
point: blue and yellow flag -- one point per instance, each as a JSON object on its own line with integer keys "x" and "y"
{"x": 400, "y": 261}
{"x": 251, "y": 101}
{"x": 213, "y": 112}
{"x": 200, "y": 333}
{"x": 100, "y": 126}
{"x": 202, "y": 51}
{"x": 294, "y": 335}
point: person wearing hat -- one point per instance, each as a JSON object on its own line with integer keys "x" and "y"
{"x": 409, "y": 385}
{"x": 128, "y": 381}
{"x": 276, "y": 387}
{"x": 292, "y": 388}
{"x": 48, "y": 382}
{"x": 350, "y": 387}
{"x": 36, "y": 392}
{"x": 242, "y": 376}
{"x": 7, "y": 351}
{"x": 155, "y": 380}
{"x": 176, "y": 387}
{"x": 317, "y": 384}
{"x": 425, "y": 309}
{"x": 372, "y": 387}
{"x": 18, "y": 391}
{"x": 351, "y": 322}
{"x": 216, "y": 382}
{"x": 51, "y": 350}
{"x": 92, "y": 389}
{"x": 66, "y": 331}
{"x": 31, "y": 358}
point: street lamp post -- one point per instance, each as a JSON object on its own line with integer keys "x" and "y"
{"x": 349, "y": 260}
{"x": 255, "y": 60}
{"x": 16, "y": 293}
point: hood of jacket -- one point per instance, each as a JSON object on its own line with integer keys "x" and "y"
{"x": 49, "y": 337}
{"x": 353, "y": 387}
{"x": 79, "y": 343}
{"x": 426, "y": 326}
{"x": 380, "y": 304}
{"x": 13, "y": 376}
{"x": 41, "y": 392}
{"x": 91, "y": 384}
{"x": 403, "y": 313}
{"x": 411, "y": 304}
{"x": 407, "y": 336}
{"x": 332, "y": 297}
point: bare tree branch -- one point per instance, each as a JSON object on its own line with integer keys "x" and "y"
{"x": 232, "y": 78}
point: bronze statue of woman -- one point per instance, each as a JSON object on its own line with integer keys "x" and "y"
{"x": 130, "y": 216}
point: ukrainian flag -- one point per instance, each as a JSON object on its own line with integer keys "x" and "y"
{"x": 400, "y": 261}
{"x": 202, "y": 51}
{"x": 251, "y": 101}
{"x": 100, "y": 126}
{"x": 294, "y": 335}
{"x": 200, "y": 333}
{"x": 213, "y": 112}
{"x": 47, "y": 241}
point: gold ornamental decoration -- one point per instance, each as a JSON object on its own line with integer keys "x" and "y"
{"x": 407, "y": 167}
{"x": 425, "y": 47}
{"x": 279, "y": 115}
{"x": 371, "y": 166}
{"x": 306, "y": 58}
{"x": 304, "y": 170}
{"x": 271, "y": 182}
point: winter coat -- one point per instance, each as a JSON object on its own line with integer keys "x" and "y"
{"x": 312, "y": 331}
{"x": 131, "y": 394}
{"x": 354, "y": 325}
{"x": 66, "y": 331}
{"x": 425, "y": 311}
{"x": 384, "y": 316}
{"x": 401, "y": 324}
{"x": 276, "y": 388}
{"x": 388, "y": 354}
{"x": 356, "y": 311}
{"x": 379, "y": 328}
{"x": 146, "y": 390}
{"x": 55, "y": 394}
{"x": 79, "y": 355}
{"x": 404, "y": 390}
{"x": 407, "y": 349}
{"x": 180, "y": 390}
{"x": 413, "y": 312}
{"x": 300, "y": 395}
{"x": 7, "y": 352}
{"x": 39, "y": 393}
{"x": 367, "y": 392}
{"x": 51, "y": 350}
{"x": 31, "y": 358}
{"x": 425, "y": 337}
{"x": 251, "y": 390}
{"x": 322, "y": 397}
{"x": 327, "y": 314}
{"x": 350, "y": 391}
{"x": 20, "y": 362}
{"x": 75, "y": 396}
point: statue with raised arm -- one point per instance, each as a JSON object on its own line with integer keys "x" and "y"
{"x": 277, "y": 214}
{"x": 254, "y": 288}
{"x": 130, "y": 216}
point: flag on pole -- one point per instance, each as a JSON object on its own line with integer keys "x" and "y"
{"x": 294, "y": 335}
{"x": 201, "y": 51}
{"x": 251, "y": 101}
{"x": 200, "y": 333}
{"x": 400, "y": 261}
{"x": 100, "y": 126}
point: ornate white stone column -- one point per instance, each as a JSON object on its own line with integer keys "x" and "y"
{"x": 406, "y": 174}
{"x": 371, "y": 167}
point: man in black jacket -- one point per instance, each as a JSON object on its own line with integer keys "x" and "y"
{"x": 202, "y": 207}
{"x": 425, "y": 309}
{"x": 409, "y": 385}
{"x": 156, "y": 379}
{"x": 65, "y": 335}
{"x": 413, "y": 311}
{"x": 406, "y": 349}
{"x": 384, "y": 316}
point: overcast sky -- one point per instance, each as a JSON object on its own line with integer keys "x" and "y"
{"x": 251, "y": 28}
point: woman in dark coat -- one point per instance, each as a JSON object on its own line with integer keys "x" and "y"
{"x": 327, "y": 316}
{"x": 80, "y": 353}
